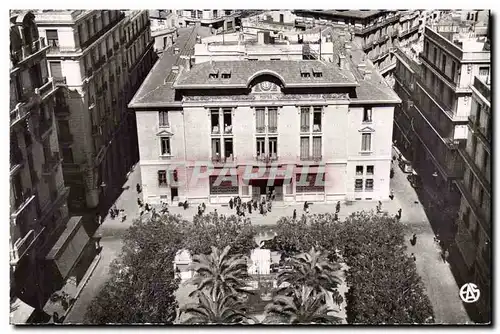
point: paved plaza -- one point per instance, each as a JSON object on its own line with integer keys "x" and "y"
{"x": 436, "y": 274}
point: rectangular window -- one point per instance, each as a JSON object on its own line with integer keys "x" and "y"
{"x": 272, "y": 114}
{"x": 216, "y": 149}
{"x": 214, "y": 114}
{"x": 52, "y": 38}
{"x": 435, "y": 56}
{"x": 453, "y": 70}
{"x": 310, "y": 183}
{"x": 223, "y": 185}
{"x": 358, "y": 185}
{"x": 317, "y": 120}
{"x": 359, "y": 170}
{"x": 165, "y": 145}
{"x": 55, "y": 69}
{"x": 484, "y": 71}
{"x": 304, "y": 119}
{"x": 261, "y": 146}
{"x": 443, "y": 63}
{"x": 162, "y": 178}
{"x": 367, "y": 115}
{"x": 369, "y": 170}
{"x": 228, "y": 121}
{"x": 273, "y": 147}
{"x": 163, "y": 118}
{"x": 366, "y": 143}
{"x": 316, "y": 149}
{"x": 304, "y": 147}
{"x": 260, "y": 114}
{"x": 228, "y": 148}
{"x": 369, "y": 185}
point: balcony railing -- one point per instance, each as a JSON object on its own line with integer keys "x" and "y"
{"x": 21, "y": 201}
{"x": 222, "y": 160}
{"x": 28, "y": 50}
{"x": 305, "y": 128}
{"x": 51, "y": 162}
{"x": 103, "y": 31}
{"x": 260, "y": 129}
{"x": 228, "y": 129}
{"x": 266, "y": 158}
{"x": 21, "y": 246}
{"x": 89, "y": 73}
{"x": 310, "y": 157}
{"x": 215, "y": 129}
{"x": 16, "y": 157}
{"x": 18, "y": 114}
{"x": 316, "y": 127}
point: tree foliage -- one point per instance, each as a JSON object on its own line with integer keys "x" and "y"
{"x": 221, "y": 308}
{"x": 220, "y": 273}
{"x": 302, "y": 306}
{"x": 142, "y": 284}
{"x": 218, "y": 230}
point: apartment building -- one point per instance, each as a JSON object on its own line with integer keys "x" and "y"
{"x": 103, "y": 57}
{"x": 262, "y": 115}
{"x": 41, "y": 231}
{"x": 473, "y": 238}
{"x": 431, "y": 126}
{"x": 218, "y": 19}
{"x": 164, "y": 24}
{"x": 378, "y": 32}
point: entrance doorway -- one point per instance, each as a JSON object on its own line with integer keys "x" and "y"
{"x": 261, "y": 188}
{"x": 174, "y": 193}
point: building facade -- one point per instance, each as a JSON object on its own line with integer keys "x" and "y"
{"x": 164, "y": 25}
{"x": 255, "y": 116}
{"x": 39, "y": 217}
{"x": 103, "y": 57}
{"x": 218, "y": 19}
{"x": 473, "y": 238}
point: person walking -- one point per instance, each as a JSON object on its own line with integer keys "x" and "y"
{"x": 306, "y": 206}
{"x": 413, "y": 257}
{"x": 261, "y": 209}
{"x": 399, "y": 213}
{"x": 139, "y": 202}
{"x": 391, "y": 196}
{"x": 138, "y": 188}
{"x": 231, "y": 203}
{"x": 413, "y": 240}
{"x": 249, "y": 206}
{"x": 294, "y": 214}
{"x": 269, "y": 206}
{"x": 185, "y": 205}
{"x": 337, "y": 207}
{"x": 203, "y": 206}
{"x": 255, "y": 205}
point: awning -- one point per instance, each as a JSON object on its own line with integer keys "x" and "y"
{"x": 256, "y": 173}
{"x": 69, "y": 246}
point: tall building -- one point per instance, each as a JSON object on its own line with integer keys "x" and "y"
{"x": 164, "y": 24}
{"x": 431, "y": 125}
{"x": 218, "y": 19}
{"x": 377, "y": 31}
{"x": 103, "y": 57}
{"x": 220, "y": 106}
{"x": 473, "y": 238}
{"x": 41, "y": 230}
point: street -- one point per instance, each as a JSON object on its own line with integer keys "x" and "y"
{"x": 436, "y": 275}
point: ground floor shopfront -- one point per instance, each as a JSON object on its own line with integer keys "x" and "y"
{"x": 290, "y": 183}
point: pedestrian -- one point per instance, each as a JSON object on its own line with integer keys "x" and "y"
{"x": 273, "y": 195}
{"x": 185, "y": 205}
{"x": 249, "y": 208}
{"x": 255, "y": 205}
{"x": 264, "y": 209}
{"x": 139, "y": 202}
{"x": 306, "y": 206}
{"x": 337, "y": 207}
{"x": 399, "y": 213}
{"x": 215, "y": 211}
{"x": 336, "y": 216}
{"x": 413, "y": 240}
{"x": 413, "y": 257}
{"x": 203, "y": 206}
{"x": 138, "y": 188}
{"x": 98, "y": 218}
{"x": 446, "y": 255}
{"x": 269, "y": 206}
{"x": 124, "y": 218}
{"x": 261, "y": 209}
{"x": 112, "y": 213}
{"x": 231, "y": 203}
{"x": 391, "y": 196}
{"x": 294, "y": 214}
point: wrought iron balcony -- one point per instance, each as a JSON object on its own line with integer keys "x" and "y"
{"x": 305, "y": 128}
{"x": 21, "y": 201}
{"x": 266, "y": 158}
{"x": 27, "y": 51}
{"x": 21, "y": 246}
{"x": 311, "y": 157}
{"x": 260, "y": 129}
{"x": 51, "y": 163}
{"x": 272, "y": 129}
{"x": 18, "y": 114}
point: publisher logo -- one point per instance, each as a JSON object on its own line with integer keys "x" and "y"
{"x": 469, "y": 293}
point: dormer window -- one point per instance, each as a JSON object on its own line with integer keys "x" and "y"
{"x": 214, "y": 74}
{"x": 304, "y": 73}
{"x": 317, "y": 73}
{"x": 226, "y": 74}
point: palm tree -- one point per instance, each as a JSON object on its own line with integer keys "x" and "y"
{"x": 311, "y": 269}
{"x": 220, "y": 273}
{"x": 224, "y": 309}
{"x": 302, "y": 306}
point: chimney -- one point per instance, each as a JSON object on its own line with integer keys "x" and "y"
{"x": 342, "y": 62}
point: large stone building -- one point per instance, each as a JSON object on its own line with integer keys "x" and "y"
{"x": 377, "y": 31}
{"x": 445, "y": 109}
{"x": 218, "y": 19}
{"x": 259, "y": 115}
{"x": 102, "y": 56}
{"x": 45, "y": 243}
{"x": 473, "y": 237}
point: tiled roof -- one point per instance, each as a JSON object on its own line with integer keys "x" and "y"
{"x": 242, "y": 72}
{"x": 157, "y": 87}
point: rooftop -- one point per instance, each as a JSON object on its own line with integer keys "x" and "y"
{"x": 59, "y": 15}
{"x": 159, "y": 87}
{"x": 242, "y": 72}
{"x": 358, "y": 14}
